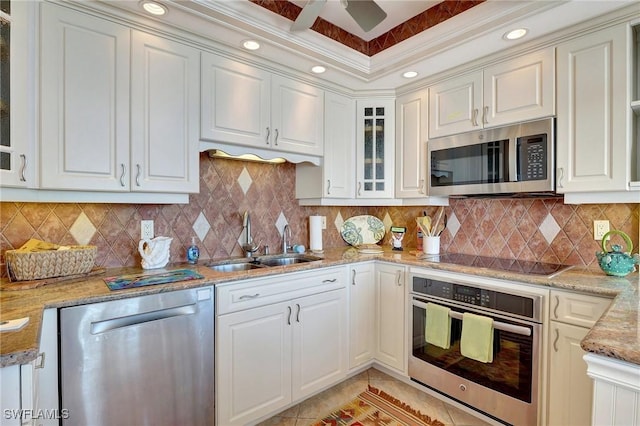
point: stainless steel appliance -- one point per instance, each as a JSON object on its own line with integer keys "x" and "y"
{"x": 506, "y": 388}
{"x": 146, "y": 360}
{"x": 504, "y": 160}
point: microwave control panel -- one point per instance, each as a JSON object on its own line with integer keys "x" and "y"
{"x": 532, "y": 157}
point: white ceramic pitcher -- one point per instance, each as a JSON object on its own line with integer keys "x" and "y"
{"x": 155, "y": 253}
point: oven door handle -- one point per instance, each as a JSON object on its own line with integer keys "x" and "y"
{"x": 498, "y": 325}
{"x": 514, "y": 159}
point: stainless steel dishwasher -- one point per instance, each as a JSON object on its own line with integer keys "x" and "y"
{"x": 146, "y": 360}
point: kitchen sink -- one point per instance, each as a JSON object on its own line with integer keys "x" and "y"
{"x": 286, "y": 259}
{"x": 234, "y": 266}
{"x": 246, "y": 264}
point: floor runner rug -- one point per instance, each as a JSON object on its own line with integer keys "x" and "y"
{"x": 376, "y": 407}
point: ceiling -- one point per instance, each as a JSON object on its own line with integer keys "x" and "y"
{"x": 398, "y": 11}
{"x": 460, "y": 37}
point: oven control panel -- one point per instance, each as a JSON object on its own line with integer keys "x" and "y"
{"x": 492, "y": 299}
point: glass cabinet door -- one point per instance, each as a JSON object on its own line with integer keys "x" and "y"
{"x": 375, "y": 149}
{"x": 17, "y": 119}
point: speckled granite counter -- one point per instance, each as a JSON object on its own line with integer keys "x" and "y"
{"x": 615, "y": 335}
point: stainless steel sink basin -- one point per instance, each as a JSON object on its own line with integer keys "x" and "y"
{"x": 286, "y": 259}
{"x": 246, "y": 264}
{"x": 234, "y": 267}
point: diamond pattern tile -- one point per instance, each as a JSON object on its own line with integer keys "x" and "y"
{"x": 453, "y": 225}
{"x": 549, "y": 228}
{"x": 245, "y": 181}
{"x": 338, "y": 222}
{"x": 201, "y": 227}
{"x": 281, "y": 223}
{"x": 387, "y": 222}
{"x": 82, "y": 229}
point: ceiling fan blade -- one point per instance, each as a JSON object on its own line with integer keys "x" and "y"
{"x": 366, "y": 13}
{"x": 308, "y": 15}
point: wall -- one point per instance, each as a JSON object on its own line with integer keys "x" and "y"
{"x": 532, "y": 229}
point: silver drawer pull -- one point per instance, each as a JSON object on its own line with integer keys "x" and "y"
{"x": 249, "y": 296}
{"x": 330, "y": 281}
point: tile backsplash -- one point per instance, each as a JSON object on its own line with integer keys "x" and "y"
{"x": 532, "y": 229}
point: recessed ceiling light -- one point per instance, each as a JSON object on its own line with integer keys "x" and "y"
{"x": 515, "y": 34}
{"x": 251, "y": 45}
{"x": 153, "y": 7}
{"x": 410, "y": 74}
{"x": 318, "y": 69}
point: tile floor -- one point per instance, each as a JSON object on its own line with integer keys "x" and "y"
{"x": 313, "y": 408}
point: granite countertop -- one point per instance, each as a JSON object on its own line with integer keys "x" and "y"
{"x": 615, "y": 335}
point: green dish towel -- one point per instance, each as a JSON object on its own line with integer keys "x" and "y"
{"x": 437, "y": 330}
{"x": 477, "y": 337}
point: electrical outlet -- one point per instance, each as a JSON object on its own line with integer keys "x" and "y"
{"x": 324, "y": 222}
{"x": 146, "y": 229}
{"x": 600, "y": 227}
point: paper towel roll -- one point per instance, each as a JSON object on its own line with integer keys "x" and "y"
{"x": 315, "y": 233}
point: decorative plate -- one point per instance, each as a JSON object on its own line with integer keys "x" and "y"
{"x": 363, "y": 229}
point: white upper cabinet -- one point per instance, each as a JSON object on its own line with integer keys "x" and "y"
{"x": 84, "y": 100}
{"x": 519, "y": 89}
{"x": 375, "y": 135}
{"x": 119, "y": 108}
{"x": 297, "y": 116}
{"x": 235, "y": 102}
{"x": 335, "y": 178}
{"x": 17, "y": 141}
{"x": 411, "y": 145}
{"x": 165, "y": 102}
{"x": 246, "y": 106}
{"x": 594, "y": 117}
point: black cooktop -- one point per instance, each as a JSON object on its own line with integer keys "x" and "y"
{"x": 510, "y": 265}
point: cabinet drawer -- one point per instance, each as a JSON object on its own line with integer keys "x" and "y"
{"x": 251, "y": 293}
{"x": 577, "y": 309}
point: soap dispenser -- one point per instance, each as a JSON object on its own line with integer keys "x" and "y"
{"x": 193, "y": 252}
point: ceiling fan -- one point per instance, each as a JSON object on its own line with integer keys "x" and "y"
{"x": 366, "y": 13}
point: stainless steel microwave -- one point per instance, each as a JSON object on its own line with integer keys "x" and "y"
{"x": 504, "y": 160}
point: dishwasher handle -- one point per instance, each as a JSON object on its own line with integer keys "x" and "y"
{"x": 98, "y": 327}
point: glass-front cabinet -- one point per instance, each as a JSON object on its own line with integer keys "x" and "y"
{"x": 375, "y": 148}
{"x": 16, "y": 117}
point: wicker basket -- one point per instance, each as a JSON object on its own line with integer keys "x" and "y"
{"x": 25, "y": 265}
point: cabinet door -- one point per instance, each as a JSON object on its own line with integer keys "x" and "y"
{"x": 319, "y": 341}
{"x": 454, "y": 105}
{"x": 253, "y": 363}
{"x": 570, "y": 389}
{"x": 375, "y": 134}
{"x": 519, "y": 90}
{"x": 17, "y": 140}
{"x": 411, "y": 145}
{"x": 165, "y": 103}
{"x": 593, "y": 130}
{"x": 10, "y": 398}
{"x": 84, "y": 101}
{"x": 297, "y": 112}
{"x": 362, "y": 296}
{"x": 235, "y": 102}
{"x": 339, "y": 146}
{"x": 390, "y": 316}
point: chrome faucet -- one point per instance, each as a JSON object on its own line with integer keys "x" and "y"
{"x": 286, "y": 239}
{"x": 248, "y": 246}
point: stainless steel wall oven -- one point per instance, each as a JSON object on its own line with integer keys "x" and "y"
{"x": 506, "y": 388}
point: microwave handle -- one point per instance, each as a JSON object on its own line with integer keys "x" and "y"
{"x": 513, "y": 159}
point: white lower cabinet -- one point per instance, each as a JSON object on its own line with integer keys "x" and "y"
{"x": 270, "y": 356}
{"x": 362, "y": 296}
{"x": 616, "y": 394}
{"x": 390, "y": 315}
{"x": 570, "y": 389}
{"x": 29, "y": 392}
